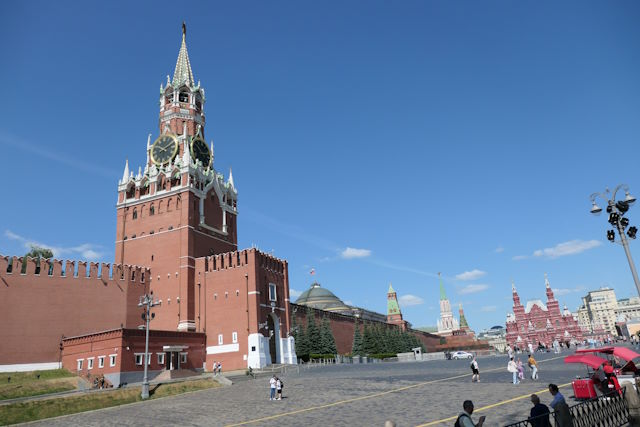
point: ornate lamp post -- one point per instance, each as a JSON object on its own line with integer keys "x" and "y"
{"x": 147, "y": 301}
{"x": 616, "y": 210}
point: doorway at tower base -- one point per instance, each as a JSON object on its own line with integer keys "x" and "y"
{"x": 260, "y": 353}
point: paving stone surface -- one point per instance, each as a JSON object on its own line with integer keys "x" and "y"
{"x": 410, "y": 394}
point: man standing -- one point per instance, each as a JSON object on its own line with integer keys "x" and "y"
{"x": 539, "y": 415}
{"x": 534, "y": 367}
{"x": 272, "y": 386}
{"x": 464, "y": 419}
{"x": 474, "y": 368}
{"x": 559, "y": 405}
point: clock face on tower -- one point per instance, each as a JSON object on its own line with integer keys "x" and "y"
{"x": 200, "y": 151}
{"x": 164, "y": 149}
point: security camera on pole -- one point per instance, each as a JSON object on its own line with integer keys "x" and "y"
{"x": 616, "y": 211}
{"x": 147, "y": 301}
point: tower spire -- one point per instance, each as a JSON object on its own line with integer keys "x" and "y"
{"x": 183, "y": 74}
{"x": 443, "y": 295}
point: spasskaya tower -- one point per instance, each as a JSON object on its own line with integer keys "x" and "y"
{"x": 177, "y": 207}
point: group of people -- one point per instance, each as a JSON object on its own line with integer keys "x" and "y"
{"x": 217, "y": 368}
{"x": 516, "y": 368}
{"x": 275, "y": 386}
{"x": 539, "y": 415}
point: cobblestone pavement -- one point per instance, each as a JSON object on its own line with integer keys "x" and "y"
{"x": 410, "y": 394}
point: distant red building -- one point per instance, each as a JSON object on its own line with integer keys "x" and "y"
{"x": 540, "y": 323}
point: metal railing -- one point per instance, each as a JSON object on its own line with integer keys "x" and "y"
{"x": 605, "y": 411}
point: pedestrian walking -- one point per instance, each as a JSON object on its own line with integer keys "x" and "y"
{"x": 279, "y": 384}
{"x": 533, "y": 365}
{"x": 465, "y": 420}
{"x": 219, "y": 368}
{"x": 474, "y": 368}
{"x": 215, "y": 367}
{"x": 539, "y": 415}
{"x": 520, "y": 370}
{"x": 272, "y": 387}
{"x": 513, "y": 368}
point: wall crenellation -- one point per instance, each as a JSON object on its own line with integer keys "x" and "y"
{"x": 12, "y": 265}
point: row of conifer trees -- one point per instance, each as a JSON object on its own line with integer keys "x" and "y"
{"x": 369, "y": 339}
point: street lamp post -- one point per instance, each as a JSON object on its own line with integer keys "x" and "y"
{"x": 147, "y": 302}
{"x": 616, "y": 210}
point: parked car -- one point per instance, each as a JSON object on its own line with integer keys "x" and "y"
{"x": 461, "y": 355}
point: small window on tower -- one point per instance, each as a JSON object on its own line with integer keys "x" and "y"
{"x": 152, "y": 210}
{"x": 135, "y": 214}
{"x": 184, "y": 97}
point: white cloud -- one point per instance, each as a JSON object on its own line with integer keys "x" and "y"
{"x": 519, "y": 257}
{"x": 564, "y": 291}
{"x": 471, "y": 289}
{"x": 350, "y": 253}
{"x": 471, "y": 275}
{"x": 488, "y": 308}
{"x": 294, "y": 293}
{"x": 572, "y": 247}
{"x": 409, "y": 300}
{"x": 86, "y": 251}
{"x": 499, "y": 249}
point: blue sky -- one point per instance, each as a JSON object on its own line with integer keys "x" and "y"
{"x": 374, "y": 141}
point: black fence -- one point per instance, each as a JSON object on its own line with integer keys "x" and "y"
{"x": 605, "y": 411}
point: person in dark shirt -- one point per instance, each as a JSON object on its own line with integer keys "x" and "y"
{"x": 539, "y": 415}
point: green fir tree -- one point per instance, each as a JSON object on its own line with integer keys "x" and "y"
{"x": 356, "y": 348}
{"x": 313, "y": 333}
{"x": 328, "y": 341}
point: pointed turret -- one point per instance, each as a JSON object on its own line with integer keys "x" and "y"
{"x": 230, "y": 180}
{"x": 443, "y": 295}
{"x": 550, "y": 296}
{"x": 183, "y": 74}
{"x": 392, "y": 302}
{"x": 125, "y": 174}
{"x": 394, "y": 315}
{"x": 463, "y": 320}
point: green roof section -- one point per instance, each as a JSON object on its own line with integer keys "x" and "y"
{"x": 392, "y": 302}
{"x": 443, "y": 296}
{"x": 463, "y": 320}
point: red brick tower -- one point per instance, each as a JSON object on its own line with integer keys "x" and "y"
{"x": 177, "y": 208}
{"x": 394, "y": 315}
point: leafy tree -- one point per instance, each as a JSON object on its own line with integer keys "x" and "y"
{"x": 36, "y": 252}
{"x": 356, "y": 348}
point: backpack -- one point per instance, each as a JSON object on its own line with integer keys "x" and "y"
{"x": 458, "y": 423}
{"x": 281, "y": 384}
{"x": 471, "y": 366}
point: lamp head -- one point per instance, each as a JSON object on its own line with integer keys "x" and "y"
{"x": 629, "y": 198}
{"x": 595, "y": 209}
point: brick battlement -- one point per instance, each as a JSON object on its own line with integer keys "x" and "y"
{"x": 242, "y": 258}
{"x": 73, "y": 269}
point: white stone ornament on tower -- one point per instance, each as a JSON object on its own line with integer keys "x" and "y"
{"x": 125, "y": 174}
{"x": 230, "y": 180}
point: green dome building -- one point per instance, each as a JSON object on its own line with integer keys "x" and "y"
{"x": 323, "y": 299}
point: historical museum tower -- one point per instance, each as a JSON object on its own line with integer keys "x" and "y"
{"x": 176, "y": 208}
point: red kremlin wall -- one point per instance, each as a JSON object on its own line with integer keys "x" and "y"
{"x": 343, "y": 327}
{"x": 38, "y": 309}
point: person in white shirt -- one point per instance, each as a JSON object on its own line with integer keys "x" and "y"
{"x": 513, "y": 368}
{"x": 476, "y": 373}
{"x": 272, "y": 386}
